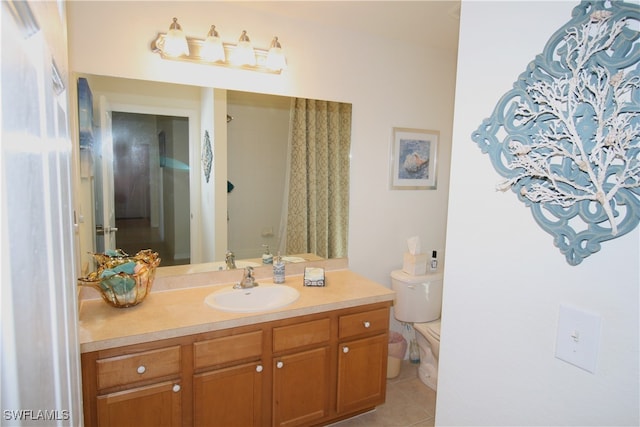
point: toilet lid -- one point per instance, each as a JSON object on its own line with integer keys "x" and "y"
{"x": 429, "y": 328}
{"x": 407, "y": 278}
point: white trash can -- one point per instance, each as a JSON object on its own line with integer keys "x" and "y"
{"x": 397, "y": 350}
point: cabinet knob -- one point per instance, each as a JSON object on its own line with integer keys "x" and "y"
{"x": 259, "y": 368}
{"x": 141, "y": 369}
{"x": 345, "y": 349}
{"x": 176, "y": 388}
{"x": 280, "y": 364}
{"x": 367, "y": 324}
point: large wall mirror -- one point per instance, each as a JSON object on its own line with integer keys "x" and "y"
{"x": 195, "y": 172}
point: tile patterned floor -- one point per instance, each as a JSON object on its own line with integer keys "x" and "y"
{"x": 409, "y": 403}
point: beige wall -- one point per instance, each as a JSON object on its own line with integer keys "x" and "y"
{"x": 257, "y": 146}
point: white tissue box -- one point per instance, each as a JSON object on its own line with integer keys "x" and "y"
{"x": 415, "y": 265}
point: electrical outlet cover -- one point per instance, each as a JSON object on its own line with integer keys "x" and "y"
{"x": 578, "y": 337}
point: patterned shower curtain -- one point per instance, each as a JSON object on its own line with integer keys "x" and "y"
{"x": 318, "y": 200}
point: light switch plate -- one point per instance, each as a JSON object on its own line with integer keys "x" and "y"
{"x": 578, "y": 337}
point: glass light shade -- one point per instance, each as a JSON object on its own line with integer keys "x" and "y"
{"x": 212, "y": 49}
{"x": 175, "y": 42}
{"x": 243, "y": 53}
{"x": 275, "y": 58}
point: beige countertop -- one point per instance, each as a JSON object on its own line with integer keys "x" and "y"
{"x": 173, "y": 313}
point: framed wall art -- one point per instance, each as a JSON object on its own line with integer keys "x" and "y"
{"x": 207, "y": 156}
{"x": 413, "y": 159}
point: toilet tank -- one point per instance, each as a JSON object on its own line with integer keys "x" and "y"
{"x": 418, "y": 298}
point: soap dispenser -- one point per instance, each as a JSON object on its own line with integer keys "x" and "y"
{"x": 278, "y": 269}
{"x": 267, "y": 257}
{"x": 433, "y": 265}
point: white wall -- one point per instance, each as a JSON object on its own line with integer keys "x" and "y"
{"x": 504, "y": 278}
{"x": 220, "y": 169}
{"x": 387, "y": 85}
{"x": 257, "y": 145}
{"x": 180, "y": 137}
{"x": 207, "y": 195}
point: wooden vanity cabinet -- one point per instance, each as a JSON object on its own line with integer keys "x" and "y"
{"x": 153, "y": 405}
{"x": 133, "y": 388}
{"x": 228, "y": 380}
{"x": 301, "y": 374}
{"x": 309, "y": 370}
{"x": 362, "y": 360}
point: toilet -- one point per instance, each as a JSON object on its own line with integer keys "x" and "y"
{"x": 419, "y": 301}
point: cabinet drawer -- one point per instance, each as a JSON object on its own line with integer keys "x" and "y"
{"x": 366, "y": 322}
{"x": 302, "y": 334}
{"x": 227, "y": 349}
{"x": 131, "y": 368}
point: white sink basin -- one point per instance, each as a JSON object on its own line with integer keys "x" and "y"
{"x": 260, "y": 298}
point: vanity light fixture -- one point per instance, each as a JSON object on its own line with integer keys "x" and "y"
{"x": 212, "y": 51}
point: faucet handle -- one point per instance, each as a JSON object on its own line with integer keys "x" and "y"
{"x": 230, "y": 260}
{"x": 248, "y": 281}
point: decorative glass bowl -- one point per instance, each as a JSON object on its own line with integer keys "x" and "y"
{"x": 123, "y": 280}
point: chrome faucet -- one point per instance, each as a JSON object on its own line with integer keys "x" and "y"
{"x": 248, "y": 281}
{"x": 230, "y": 260}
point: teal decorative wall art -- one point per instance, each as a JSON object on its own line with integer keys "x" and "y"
{"x": 566, "y": 138}
{"x": 207, "y": 156}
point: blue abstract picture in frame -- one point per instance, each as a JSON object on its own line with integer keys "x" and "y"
{"x": 413, "y": 159}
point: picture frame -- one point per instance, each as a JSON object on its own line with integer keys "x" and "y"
{"x": 414, "y": 159}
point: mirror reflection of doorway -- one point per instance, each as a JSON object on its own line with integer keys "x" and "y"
{"x": 151, "y": 185}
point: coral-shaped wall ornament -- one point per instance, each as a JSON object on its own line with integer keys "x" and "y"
{"x": 207, "y": 155}
{"x": 566, "y": 138}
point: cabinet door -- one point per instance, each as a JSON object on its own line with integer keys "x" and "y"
{"x": 362, "y": 371}
{"x": 154, "y": 405}
{"x": 229, "y": 397}
{"x": 301, "y": 388}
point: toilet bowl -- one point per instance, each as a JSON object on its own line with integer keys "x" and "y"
{"x": 419, "y": 301}
{"x": 428, "y": 338}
